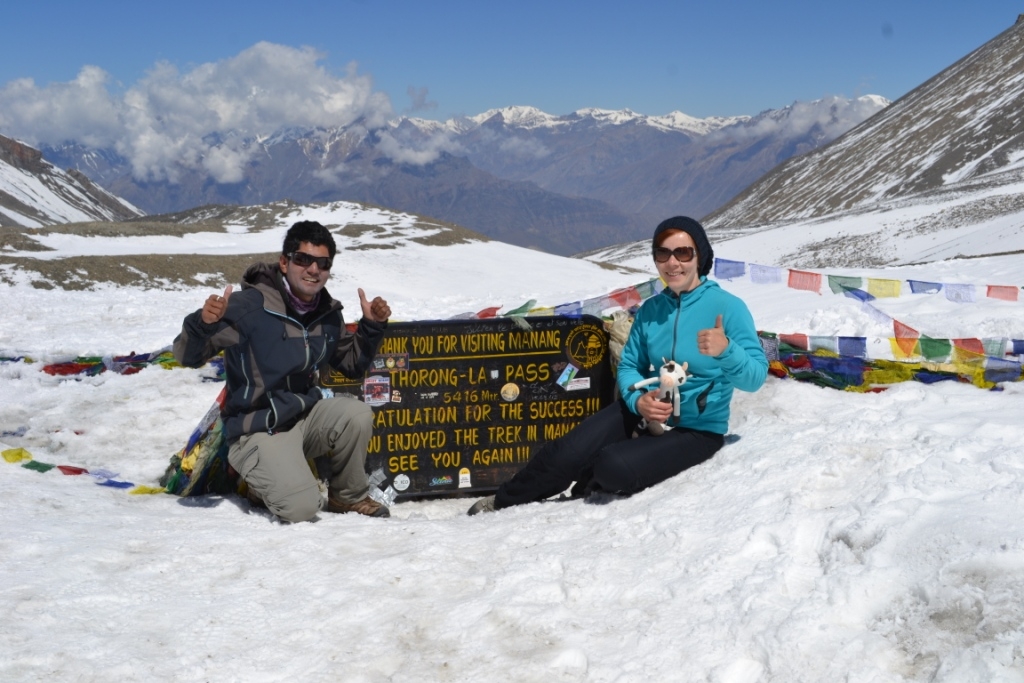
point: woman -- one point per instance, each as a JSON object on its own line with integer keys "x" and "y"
{"x": 692, "y": 320}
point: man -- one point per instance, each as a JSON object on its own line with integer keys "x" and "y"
{"x": 277, "y": 333}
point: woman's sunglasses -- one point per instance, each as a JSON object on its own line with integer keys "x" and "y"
{"x": 682, "y": 254}
{"x": 304, "y": 260}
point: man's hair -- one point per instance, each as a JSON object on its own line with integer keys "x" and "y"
{"x": 308, "y": 231}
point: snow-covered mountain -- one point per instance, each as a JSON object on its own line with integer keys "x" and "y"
{"x": 961, "y": 131}
{"x": 558, "y": 183}
{"x": 34, "y": 192}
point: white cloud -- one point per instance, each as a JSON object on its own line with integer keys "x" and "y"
{"x": 423, "y": 150}
{"x": 832, "y": 116}
{"x": 172, "y": 122}
{"x": 82, "y": 109}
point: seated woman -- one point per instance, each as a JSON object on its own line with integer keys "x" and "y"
{"x": 692, "y": 320}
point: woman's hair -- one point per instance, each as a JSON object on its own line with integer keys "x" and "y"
{"x": 660, "y": 238}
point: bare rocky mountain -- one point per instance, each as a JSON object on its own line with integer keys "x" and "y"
{"x": 34, "y": 192}
{"x": 562, "y": 184}
{"x": 961, "y": 131}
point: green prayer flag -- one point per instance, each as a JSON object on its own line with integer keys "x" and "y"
{"x": 935, "y": 349}
{"x": 840, "y": 283}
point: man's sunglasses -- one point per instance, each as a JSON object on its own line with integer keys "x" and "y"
{"x": 304, "y": 260}
{"x": 682, "y": 254}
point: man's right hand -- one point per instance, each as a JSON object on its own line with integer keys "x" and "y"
{"x": 216, "y": 304}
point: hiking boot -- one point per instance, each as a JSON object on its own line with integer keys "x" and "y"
{"x": 482, "y": 505}
{"x": 367, "y": 506}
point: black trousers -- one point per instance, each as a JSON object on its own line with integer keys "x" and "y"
{"x": 601, "y": 454}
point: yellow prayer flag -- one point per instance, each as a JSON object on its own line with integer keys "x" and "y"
{"x": 16, "y": 455}
{"x": 142, "y": 490}
{"x": 882, "y": 289}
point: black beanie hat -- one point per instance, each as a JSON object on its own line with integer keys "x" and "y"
{"x": 696, "y": 231}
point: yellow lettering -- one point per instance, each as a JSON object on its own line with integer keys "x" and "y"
{"x": 394, "y": 345}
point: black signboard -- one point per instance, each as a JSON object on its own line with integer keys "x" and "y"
{"x": 461, "y": 405}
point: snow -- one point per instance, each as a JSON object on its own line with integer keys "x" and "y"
{"x": 843, "y": 537}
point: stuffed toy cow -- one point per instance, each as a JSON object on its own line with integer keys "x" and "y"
{"x": 670, "y": 378}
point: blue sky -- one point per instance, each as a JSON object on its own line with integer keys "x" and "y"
{"x": 705, "y": 59}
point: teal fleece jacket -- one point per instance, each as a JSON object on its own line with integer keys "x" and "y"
{"x": 666, "y": 326}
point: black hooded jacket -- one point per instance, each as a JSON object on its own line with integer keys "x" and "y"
{"x": 272, "y": 357}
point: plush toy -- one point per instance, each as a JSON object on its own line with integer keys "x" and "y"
{"x": 670, "y": 378}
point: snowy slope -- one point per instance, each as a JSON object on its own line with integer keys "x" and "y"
{"x": 843, "y": 537}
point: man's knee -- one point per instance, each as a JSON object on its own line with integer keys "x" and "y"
{"x": 300, "y": 506}
{"x": 345, "y": 412}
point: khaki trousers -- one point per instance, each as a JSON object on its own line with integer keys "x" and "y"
{"x": 275, "y": 467}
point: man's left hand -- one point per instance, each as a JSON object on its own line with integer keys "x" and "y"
{"x": 376, "y": 310}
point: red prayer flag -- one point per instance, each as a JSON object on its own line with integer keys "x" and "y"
{"x": 626, "y": 297}
{"x": 1004, "y": 292}
{"x": 72, "y": 470}
{"x": 489, "y": 312}
{"x": 802, "y": 279}
{"x": 906, "y": 337}
{"x": 972, "y": 345}
{"x": 797, "y": 341}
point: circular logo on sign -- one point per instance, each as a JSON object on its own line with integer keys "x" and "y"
{"x": 401, "y": 482}
{"x": 510, "y": 392}
{"x": 585, "y": 345}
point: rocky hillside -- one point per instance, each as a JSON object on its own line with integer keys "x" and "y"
{"x": 963, "y": 126}
{"x": 34, "y": 192}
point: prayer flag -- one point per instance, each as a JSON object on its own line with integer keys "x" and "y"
{"x": 970, "y": 345}
{"x": 488, "y": 312}
{"x": 797, "y": 341}
{"x": 1002, "y": 370}
{"x": 727, "y": 270}
{"x": 574, "y": 310}
{"x": 770, "y": 346}
{"x": 1004, "y": 292}
{"x": 858, "y": 294}
{"x": 765, "y": 275}
{"x": 802, "y": 279}
{"x": 920, "y": 287}
{"x": 937, "y": 350}
{"x": 961, "y": 294}
{"x": 853, "y": 346}
{"x": 995, "y": 347}
{"x": 884, "y": 288}
{"x": 518, "y": 311}
{"x": 37, "y": 466}
{"x": 626, "y": 297}
{"x": 840, "y": 283}
{"x": 821, "y": 343}
{"x": 16, "y": 455}
{"x": 905, "y": 343}
{"x": 72, "y": 471}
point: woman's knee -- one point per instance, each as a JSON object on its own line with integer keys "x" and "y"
{"x": 613, "y": 473}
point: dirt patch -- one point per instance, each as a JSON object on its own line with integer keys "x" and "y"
{"x": 157, "y": 271}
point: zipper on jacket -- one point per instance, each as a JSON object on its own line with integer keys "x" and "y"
{"x": 245, "y": 374}
{"x": 675, "y": 324}
{"x": 273, "y": 409}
